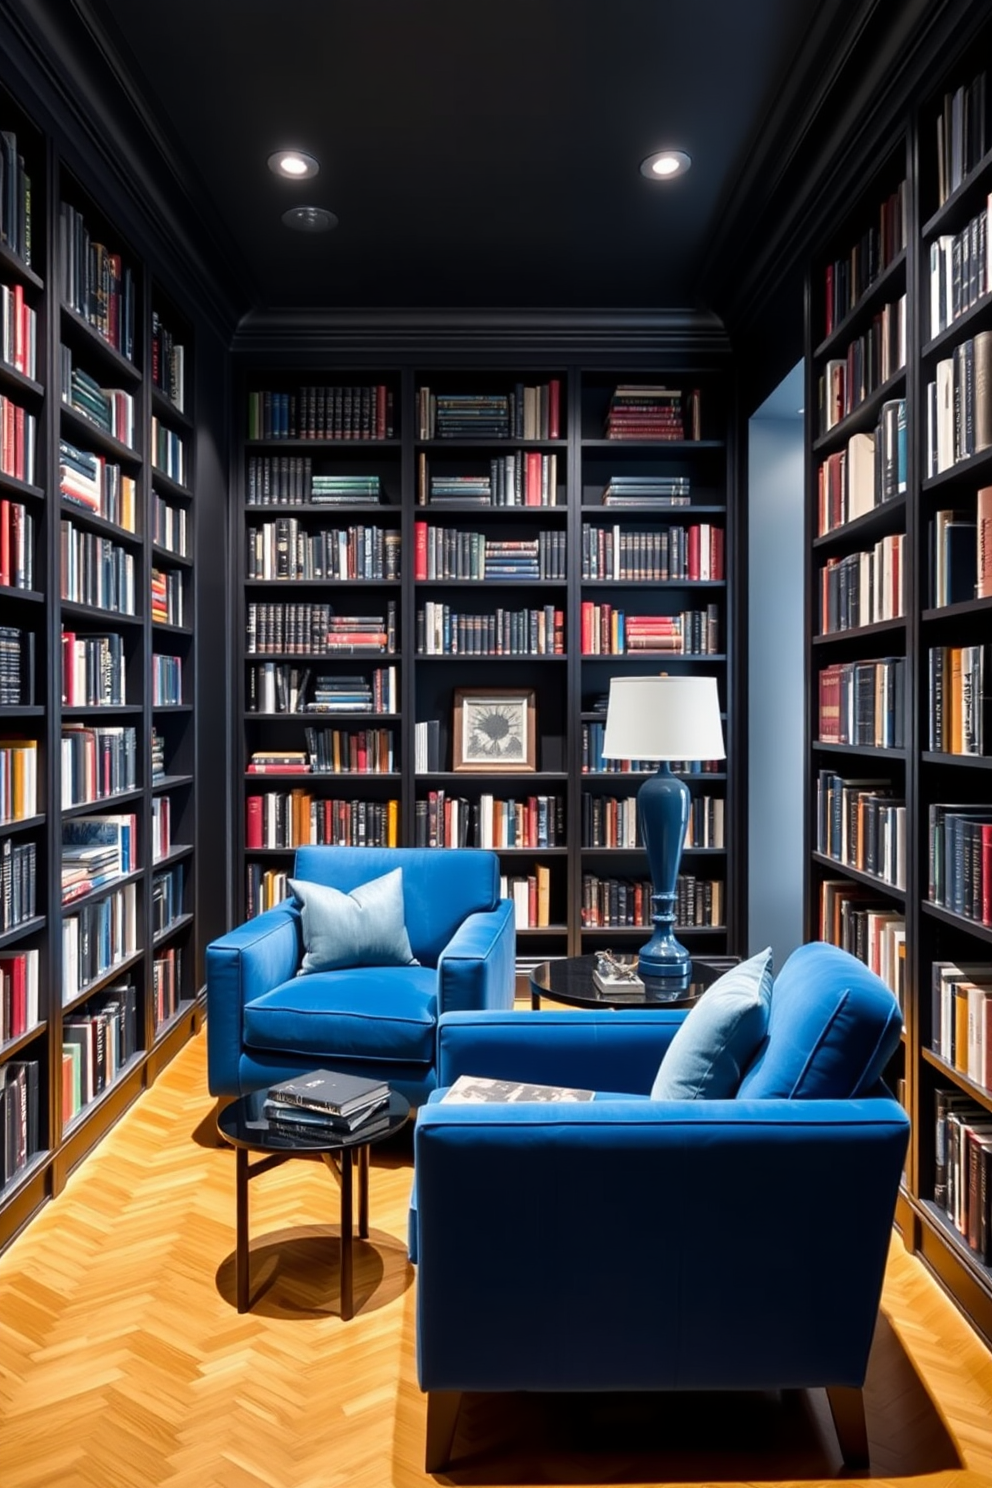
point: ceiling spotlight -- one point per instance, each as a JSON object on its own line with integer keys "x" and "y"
{"x": 296, "y": 165}
{"x": 664, "y": 164}
{"x": 309, "y": 219}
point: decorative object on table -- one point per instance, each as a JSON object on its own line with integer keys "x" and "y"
{"x": 663, "y": 718}
{"x": 495, "y": 729}
{"x": 616, "y": 976}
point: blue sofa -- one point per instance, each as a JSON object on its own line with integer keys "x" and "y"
{"x": 636, "y": 1244}
{"x": 265, "y": 1022}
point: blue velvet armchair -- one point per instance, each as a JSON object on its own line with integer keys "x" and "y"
{"x": 265, "y": 1022}
{"x": 744, "y": 1240}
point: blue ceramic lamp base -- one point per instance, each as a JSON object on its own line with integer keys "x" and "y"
{"x": 663, "y": 812}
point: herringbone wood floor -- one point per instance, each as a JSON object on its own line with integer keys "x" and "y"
{"x": 123, "y": 1361}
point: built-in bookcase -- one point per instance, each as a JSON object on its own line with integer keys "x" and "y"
{"x": 899, "y": 611}
{"x": 97, "y": 809}
{"x": 466, "y": 519}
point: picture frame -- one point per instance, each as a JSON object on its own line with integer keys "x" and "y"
{"x": 494, "y": 730}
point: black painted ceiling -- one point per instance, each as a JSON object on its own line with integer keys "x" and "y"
{"x": 475, "y": 153}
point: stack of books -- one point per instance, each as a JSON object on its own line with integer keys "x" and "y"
{"x": 345, "y": 490}
{"x": 645, "y": 413}
{"x": 647, "y": 490}
{"x": 325, "y": 1102}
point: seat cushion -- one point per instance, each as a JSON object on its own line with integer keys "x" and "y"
{"x": 382, "y": 1013}
{"x": 361, "y": 928}
{"x": 833, "y": 1027}
{"x": 719, "y": 1036}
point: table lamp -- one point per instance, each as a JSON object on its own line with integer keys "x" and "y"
{"x": 663, "y": 718}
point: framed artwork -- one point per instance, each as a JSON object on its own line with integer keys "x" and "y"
{"x": 495, "y": 729}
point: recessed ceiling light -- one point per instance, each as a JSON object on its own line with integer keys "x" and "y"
{"x": 309, "y": 219}
{"x": 296, "y": 165}
{"x": 664, "y": 164}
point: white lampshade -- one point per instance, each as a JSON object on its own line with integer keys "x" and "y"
{"x": 664, "y": 718}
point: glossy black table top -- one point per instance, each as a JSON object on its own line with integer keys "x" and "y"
{"x": 569, "y": 980}
{"x": 244, "y": 1125}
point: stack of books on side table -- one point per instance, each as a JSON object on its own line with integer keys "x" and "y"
{"x": 325, "y": 1102}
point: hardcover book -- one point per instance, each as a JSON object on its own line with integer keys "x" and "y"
{"x": 328, "y": 1090}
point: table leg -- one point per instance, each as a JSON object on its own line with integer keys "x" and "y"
{"x": 241, "y": 1229}
{"x": 347, "y": 1302}
{"x": 363, "y": 1191}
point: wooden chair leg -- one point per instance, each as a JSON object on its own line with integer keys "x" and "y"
{"x": 847, "y": 1406}
{"x": 442, "y": 1414}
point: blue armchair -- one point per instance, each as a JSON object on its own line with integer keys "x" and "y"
{"x": 265, "y": 1022}
{"x": 744, "y": 1239}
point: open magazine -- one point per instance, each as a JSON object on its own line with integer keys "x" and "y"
{"x": 475, "y": 1089}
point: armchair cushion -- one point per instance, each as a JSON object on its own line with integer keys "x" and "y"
{"x": 833, "y": 1027}
{"x": 389, "y": 1014}
{"x": 362, "y": 928}
{"x": 719, "y": 1036}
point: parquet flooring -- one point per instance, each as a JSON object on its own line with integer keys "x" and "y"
{"x": 124, "y": 1363}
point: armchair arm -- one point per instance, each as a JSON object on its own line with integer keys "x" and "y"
{"x": 601, "y": 1049}
{"x": 737, "y": 1244}
{"x": 476, "y": 969}
{"x": 240, "y": 965}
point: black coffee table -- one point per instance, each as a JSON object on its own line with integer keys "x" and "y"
{"x": 243, "y": 1124}
{"x": 569, "y": 980}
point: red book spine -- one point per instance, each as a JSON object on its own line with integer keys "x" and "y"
{"x": 4, "y": 541}
{"x": 253, "y": 822}
{"x": 693, "y": 552}
{"x": 532, "y": 492}
{"x": 420, "y": 550}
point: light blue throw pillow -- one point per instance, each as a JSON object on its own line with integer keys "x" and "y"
{"x": 363, "y": 928}
{"x": 720, "y": 1035}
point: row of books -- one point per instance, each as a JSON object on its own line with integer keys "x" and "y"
{"x": 444, "y": 631}
{"x": 17, "y": 672}
{"x": 870, "y": 360}
{"x": 167, "y": 898}
{"x": 161, "y": 828}
{"x": 959, "y": 712}
{"x": 280, "y": 687}
{"x": 853, "y": 917}
{"x": 96, "y": 850}
{"x": 18, "y": 441}
{"x": 19, "y": 799}
{"x": 646, "y": 490}
{"x": 284, "y": 550}
{"x": 313, "y": 629}
{"x": 963, "y": 1168}
{"x": 963, "y": 134}
{"x": 264, "y": 888}
{"x": 355, "y": 751}
{"x": 18, "y": 992}
{"x": 97, "y": 484}
{"x": 15, "y": 198}
{"x": 959, "y": 270}
{"x": 524, "y": 478}
{"x": 97, "y": 1042}
{"x": 960, "y": 860}
{"x": 863, "y": 824}
{"x": 961, "y": 1018}
{"x": 594, "y": 763}
{"x": 847, "y": 279}
{"x": 96, "y": 571}
{"x": 531, "y": 896}
{"x": 524, "y": 412}
{"x": 168, "y": 363}
{"x": 619, "y": 902}
{"x": 18, "y": 883}
{"x": 167, "y": 680}
{"x": 17, "y": 538}
{"x": 863, "y": 588}
{"x": 286, "y": 480}
{"x": 97, "y": 762}
{"x": 93, "y": 669}
{"x": 959, "y": 404}
{"x": 864, "y": 703}
{"x": 96, "y": 283}
{"x": 167, "y": 984}
{"x": 169, "y": 526}
{"x": 450, "y": 553}
{"x": 167, "y": 451}
{"x": 610, "y": 821}
{"x": 443, "y": 820}
{"x": 110, "y": 408}
{"x": 166, "y": 601}
{"x": 631, "y": 554}
{"x": 960, "y": 553}
{"x": 606, "y": 630}
{"x": 97, "y": 937}
{"x": 322, "y": 411}
{"x": 19, "y": 1081}
{"x": 286, "y": 819}
{"x": 18, "y": 330}
{"x": 870, "y": 470}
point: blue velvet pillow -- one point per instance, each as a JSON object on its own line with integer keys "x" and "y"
{"x": 834, "y": 1025}
{"x": 719, "y": 1036}
{"x": 363, "y": 928}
